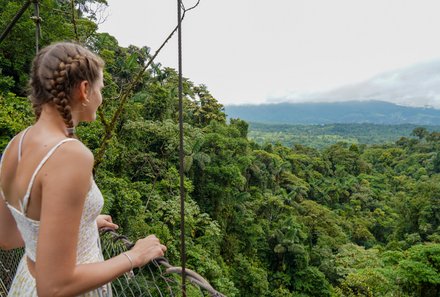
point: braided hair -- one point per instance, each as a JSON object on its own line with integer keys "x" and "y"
{"x": 56, "y": 71}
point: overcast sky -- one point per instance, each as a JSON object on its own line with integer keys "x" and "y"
{"x": 255, "y": 51}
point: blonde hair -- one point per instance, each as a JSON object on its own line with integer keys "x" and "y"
{"x": 56, "y": 70}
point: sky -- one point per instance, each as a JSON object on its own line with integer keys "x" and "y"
{"x": 267, "y": 51}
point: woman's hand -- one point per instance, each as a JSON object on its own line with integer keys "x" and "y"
{"x": 105, "y": 221}
{"x": 146, "y": 249}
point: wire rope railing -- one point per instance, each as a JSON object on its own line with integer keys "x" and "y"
{"x": 158, "y": 278}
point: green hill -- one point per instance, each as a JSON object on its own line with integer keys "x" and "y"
{"x": 373, "y": 112}
{"x": 320, "y": 136}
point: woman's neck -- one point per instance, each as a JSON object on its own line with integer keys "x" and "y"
{"x": 51, "y": 121}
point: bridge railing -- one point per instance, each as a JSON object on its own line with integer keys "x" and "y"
{"x": 158, "y": 278}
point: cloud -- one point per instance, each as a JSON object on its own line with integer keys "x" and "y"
{"x": 416, "y": 85}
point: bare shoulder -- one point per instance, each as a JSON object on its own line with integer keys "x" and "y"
{"x": 76, "y": 148}
{"x": 73, "y": 155}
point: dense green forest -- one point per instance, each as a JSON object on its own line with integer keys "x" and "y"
{"x": 321, "y": 136}
{"x": 261, "y": 220}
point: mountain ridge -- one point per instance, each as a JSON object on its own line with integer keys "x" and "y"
{"x": 371, "y": 111}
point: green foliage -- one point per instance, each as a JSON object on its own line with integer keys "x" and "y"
{"x": 367, "y": 282}
{"x": 420, "y": 270}
{"x": 251, "y": 278}
{"x": 15, "y": 115}
{"x": 321, "y": 136}
{"x": 420, "y": 132}
{"x": 312, "y": 282}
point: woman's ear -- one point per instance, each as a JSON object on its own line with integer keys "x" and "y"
{"x": 84, "y": 88}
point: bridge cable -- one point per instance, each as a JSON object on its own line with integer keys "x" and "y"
{"x": 181, "y": 152}
{"x": 36, "y": 18}
{"x": 14, "y": 20}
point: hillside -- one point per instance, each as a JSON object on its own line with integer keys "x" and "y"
{"x": 374, "y": 112}
{"x": 324, "y": 135}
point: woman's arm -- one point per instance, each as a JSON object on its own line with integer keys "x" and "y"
{"x": 65, "y": 181}
{"x": 87, "y": 277}
{"x": 10, "y": 237}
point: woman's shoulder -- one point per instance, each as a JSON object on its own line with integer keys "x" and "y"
{"x": 75, "y": 149}
{"x": 73, "y": 153}
{"x": 10, "y": 151}
{"x": 70, "y": 164}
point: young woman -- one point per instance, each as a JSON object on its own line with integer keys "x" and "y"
{"x": 49, "y": 202}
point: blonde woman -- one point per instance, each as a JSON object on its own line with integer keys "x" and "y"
{"x": 49, "y": 202}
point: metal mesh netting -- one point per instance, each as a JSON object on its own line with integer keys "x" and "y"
{"x": 158, "y": 278}
{"x": 8, "y": 265}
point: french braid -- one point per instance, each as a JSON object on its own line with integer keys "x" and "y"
{"x": 56, "y": 70}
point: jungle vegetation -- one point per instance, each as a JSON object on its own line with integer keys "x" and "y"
{"x": 324, "y": 135}
{"x": 261, "y": 219}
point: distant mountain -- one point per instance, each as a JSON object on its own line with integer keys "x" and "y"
{"x": 373, "y": 112}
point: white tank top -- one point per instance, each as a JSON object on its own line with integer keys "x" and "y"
{"x": 88, "y": 248}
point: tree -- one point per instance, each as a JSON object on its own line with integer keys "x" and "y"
{"x": 420, "y": 270}
{"x": 420, "y": 132}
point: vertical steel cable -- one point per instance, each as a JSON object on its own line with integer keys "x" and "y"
{"x": 75, "y": 28}
{"x": 37, "y": 20}
{"x": 181, "y": 152}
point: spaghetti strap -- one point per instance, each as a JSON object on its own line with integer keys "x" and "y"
{"x": 1, "y": 166}
{"x": 25, "y": 202}
{"x": 1, "y": 162}
{"x": 3, "y": 155}
{"x": 21, "y": 143}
